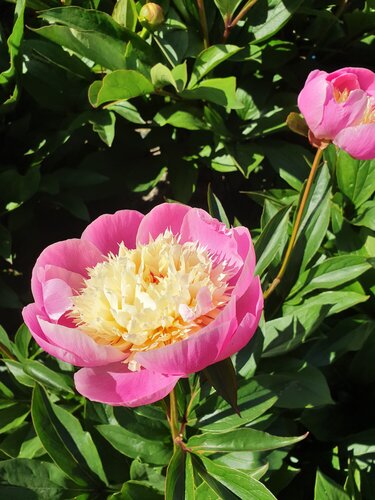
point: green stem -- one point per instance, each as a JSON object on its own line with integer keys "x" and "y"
{"x": 229, "y": 23}
{"x": 203, "y": 23}
{"x": 297, "y": 223}
{"x": 173, "y": 416}
{"x": 7, "y": 354}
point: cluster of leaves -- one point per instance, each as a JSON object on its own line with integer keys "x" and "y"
{"x": 97, "y": 114}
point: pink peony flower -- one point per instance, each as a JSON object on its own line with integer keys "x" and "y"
{"x": 140, "y": 301}
{"x": 339, "y": 107}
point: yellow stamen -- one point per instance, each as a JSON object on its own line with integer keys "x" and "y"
{"x": 152, "y": 296}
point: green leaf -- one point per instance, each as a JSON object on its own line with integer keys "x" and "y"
{"x": 17, "y": 370}
{"x": 336, "y": 300}
{"x": 175, "y": 482}
{"x": 92, "y": 34}
{"x": 124, "y": 109}
{"x": 215, "y": 207}
{"x": 246, "y": 157}
{"x": 180, "y": 116}
{"x": 133, "y": 445}
{"x": 216, "y": 415}
{"x": 208, "y": 59}
{"x": 125, "y": 14}
{"x": 61, "y": 434}
{"x": 137, "y": 490}
{"x": 227, "y": 7}
{"x": 120, "y": 85}
{"x": 293, "y": 172}
{"x": 330, "y": 273}
{"x": 190, "y": 490}
{"x": 162, "y": 76}
{"x": 335, "y": 344}
{"x": 104, "y": 124}
{"x": 179, "y": 74}
{"x": 48, "y": 377}
{"x": 288, "y": 332}
{"x": 326, "y": 488}
{"x": 22, "y": 340}
{"x": 40, "y": 480}
{"x": 222, "y": 377}
{"x": 221, "y": 91}
{"x": 14, "y": 43}
{"x": 13, "y": 416}
{"x": 238, "y": 482}
{"x": 355, "y": 178}
{"x": 5, "y": 341}
{"x": 271, "y": 240}
{"x": 213, "y": 484}
{"x": 367, "y": 217}
{"x": 297, "y": 384}
{"x": 267, "y": 18}
{"x": 239, "y": 440}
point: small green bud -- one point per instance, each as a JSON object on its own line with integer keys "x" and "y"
{"x": 151, "y": 16}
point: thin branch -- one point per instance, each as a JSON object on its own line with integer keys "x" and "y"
{"x": 229, "y": 23}
{"x": 296, "y": 226}
{"x": 203, "y": 23}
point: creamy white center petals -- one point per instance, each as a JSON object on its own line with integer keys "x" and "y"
{"x": 151, "y": 296}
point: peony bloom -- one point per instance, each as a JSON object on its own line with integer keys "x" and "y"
{"x": 339, "y": 107}
{"x": 140, "y": 301}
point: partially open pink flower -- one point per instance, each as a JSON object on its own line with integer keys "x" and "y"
{"x": 140, "y": 301}
{"x": 339, "y": 107}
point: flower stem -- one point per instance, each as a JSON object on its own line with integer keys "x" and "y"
{"x": 229, "y": 23}
{"x": 297, "y": 223}
{"x": 203, "y": 23}
{"x": 173, "y": 416}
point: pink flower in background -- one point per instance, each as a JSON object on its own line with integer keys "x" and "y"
{"x": 339, "y": 107}
{"x": 140, "y": 301}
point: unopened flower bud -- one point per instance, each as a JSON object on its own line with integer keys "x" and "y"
{"x": 151, "y": 16}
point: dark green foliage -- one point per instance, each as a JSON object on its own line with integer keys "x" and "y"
{"x": 97, "y": 115}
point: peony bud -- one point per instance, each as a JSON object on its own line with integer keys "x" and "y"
{"x": 151, "y": 16}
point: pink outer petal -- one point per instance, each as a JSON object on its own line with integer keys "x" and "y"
{"x": 337, "y": 116}
{"x": 57, "y": 298}
{"x": 117, "y": 386}
{"x": 358, "y": 141}
{"x": 109, "y": 230}
{"x": 312, "y": 98}
{"x": 199, "y": 226}
{"x": 365, "y": 77}
{"x": 196, "y": 352}
{"x": 248, "y": 325}
{"x": 72, "y": 255}
{"x": 68, "y": 344}
{"x": 159, "y": 219}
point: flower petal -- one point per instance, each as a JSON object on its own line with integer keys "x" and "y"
{"x": 249, "y": 315}
{"x": 116, "y": 385}
{"x": 199, "y": 226}
{"x": 358, "y": 141}
{"x": 109, "y": 230}
{"x": 312, "y": 98}
{"x": 85, "y": 350}
{"x": 57, "y": 298}
{"x": 159, "y": 219}
{"x": 72, "y": 255}
{"x": 337, "y": 116}
{"x": 30, "y": 314}
{"x": 196, "y": 352}
{"x": 365, "y": 78}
